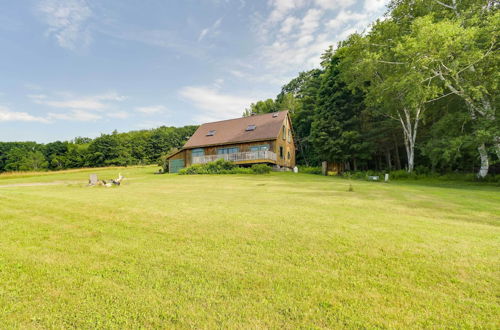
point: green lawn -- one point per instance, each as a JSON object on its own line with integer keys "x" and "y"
{"x": 281, "y": 250}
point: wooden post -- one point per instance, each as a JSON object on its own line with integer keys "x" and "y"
{"x": 324, "y": 168}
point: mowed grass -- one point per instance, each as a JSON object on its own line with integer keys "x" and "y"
{"x": 246, "y": 251}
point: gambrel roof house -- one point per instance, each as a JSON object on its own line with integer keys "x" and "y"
{"x": 265, "y": 138}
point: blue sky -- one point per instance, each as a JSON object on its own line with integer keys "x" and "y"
{"x": 84, "y": 67}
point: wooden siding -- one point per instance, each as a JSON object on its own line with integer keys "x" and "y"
{"x": 243, "y": 148}
{"x": 287, "y": 144}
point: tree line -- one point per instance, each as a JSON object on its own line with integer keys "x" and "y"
{"x": 417, "y": 91}
{"x": 115, "y": 149}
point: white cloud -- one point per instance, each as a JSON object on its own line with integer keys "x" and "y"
{"x": 344, "y": 17}
{"x": 212, "y": 30}
{"x": 148, "y": 124}
{"x": 289, "y": 24}
{"x": 238, "y": 73}
{"x": 67, "y": 21}
{"x": 80, "y": 108}
{"x": 203, "y": 33}
{"x": 8, "y": 115}
{"x": 151, "y": 110}
{"x": 310, "y": 24}
{"x": 75, "y": 115}
{"x": 282, "y": 7}
{"x": 95, "y": 102}
{"x": 372, "y": 6}
{"x": 215, "y": 105}
{"x": 162, "y": 38}
{"x": 295, "y": 33}
{"x": 118, "y": 114}
{"x": 334, "y": 4}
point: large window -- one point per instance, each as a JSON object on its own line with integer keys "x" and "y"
{"x": 222, "y": 151}
{"x": 283, "y": 131}
{"x": 289, "y": 136}
{"x": 197, "y": 152}
{"x": 264, "y": 147}
{"x": 281, "y": 153}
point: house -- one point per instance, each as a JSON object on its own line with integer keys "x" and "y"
{"x": 265, "y": 138}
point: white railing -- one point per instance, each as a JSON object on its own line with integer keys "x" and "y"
{"x": 237, "y": 157}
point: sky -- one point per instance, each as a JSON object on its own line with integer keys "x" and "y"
{"x": 73, "y": 68}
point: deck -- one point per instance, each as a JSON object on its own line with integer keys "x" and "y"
{"x": 247, "y": 157}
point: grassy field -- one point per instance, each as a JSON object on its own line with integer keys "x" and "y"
{"x": 281, "y": 250}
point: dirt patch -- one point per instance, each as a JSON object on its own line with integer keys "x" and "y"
{"x": 34, "y": 184}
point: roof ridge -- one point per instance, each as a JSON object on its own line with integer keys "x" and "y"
{"x": 257, "y": 115}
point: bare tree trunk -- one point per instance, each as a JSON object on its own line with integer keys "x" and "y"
{"x": 482, "y": 108}
{"x": 483, "y": 155}
{"x": 409, "y": 134}
{"x": 388, "y": 158}
{"x": 355, "y": 164}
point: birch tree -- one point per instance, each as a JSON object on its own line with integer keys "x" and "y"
{"x": 456, "y": 44}
{"x": 390, "y": 79}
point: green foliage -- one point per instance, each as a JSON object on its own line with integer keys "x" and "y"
{"x": 261, "y": 107}
{"x": 336, "y": 127}
{"x": 261, "y": 168}
{"x": 221, "y": 166}
{"x": 163, "y": 163}
{"x": 421, "y": 83}
{"x": 122, "y": 149}
{"x": 310, "y": 169}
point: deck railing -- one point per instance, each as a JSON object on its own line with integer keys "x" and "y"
{"x": 237, "y": 157}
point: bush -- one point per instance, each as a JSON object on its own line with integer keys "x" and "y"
{"x": 222, "y": 166}
{"x": 261, "y": 169}
{"x": 163, "y": 163}
{"x": 310, "y": 169}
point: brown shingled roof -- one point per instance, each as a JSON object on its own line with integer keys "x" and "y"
{"x": 234, "y": 130}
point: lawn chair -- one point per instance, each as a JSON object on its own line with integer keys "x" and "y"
{"x": 92, "y": 179}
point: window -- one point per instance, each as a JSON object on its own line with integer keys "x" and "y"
{"x": 283, "y": 132}
{"x": 222, "y": 151}
{"x": 263, "y": 147}
{"x": 281, "y": 152}
{"x": 211, "y": 132}
{"x": 289, "y": 136}
{"x": 289, "y": 155}
{"x": 251, "y": 128}
{"x": 197, "y": 152}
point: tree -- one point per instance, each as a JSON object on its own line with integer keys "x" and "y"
{"x": 336, "y": 128}
{"x": 460, "y": 57}
{"x": 261, "y": 107}
{"x": 304, "y": 90}
{"x": 389, "y": 79}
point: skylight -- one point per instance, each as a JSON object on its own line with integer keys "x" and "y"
{"x": 211, "y": 132}
{"x": 251, "y": 128}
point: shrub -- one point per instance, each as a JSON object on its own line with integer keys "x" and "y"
{"x": 310, "y": 169}
{"x": 163, "y": 163}
{"x": 261, "y": 169}
{"x": 221, "y": 166}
